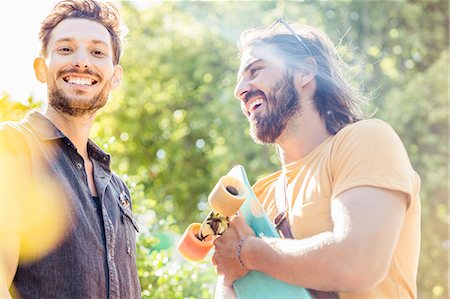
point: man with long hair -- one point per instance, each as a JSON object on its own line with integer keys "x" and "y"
{"x": 346, "y": 199}
{"x": 96, "y": 257}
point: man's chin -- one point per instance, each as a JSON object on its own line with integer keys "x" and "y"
{"x": 77, "y": 108}
{"x": 261, "y": 137}
{"x": 75, "y": 111}
{"x": 74, "y": 105}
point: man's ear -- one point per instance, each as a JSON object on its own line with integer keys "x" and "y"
{"x": 40, "y": 69}
{"x": 117, "y": 77}
{"x": 308, "y": 73}
{"x": 305, "y": 78}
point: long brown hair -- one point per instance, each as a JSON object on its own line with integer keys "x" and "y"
{"x": 103, "y": 13}
{"x": 336, "y": 100}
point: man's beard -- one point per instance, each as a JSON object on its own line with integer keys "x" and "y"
{"x": 282, "y": 103}
{"x": 74, "y": 106}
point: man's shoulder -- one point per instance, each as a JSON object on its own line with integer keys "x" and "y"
{"x": 366, "y": 125}
{"x": 370, "y": 130}
{"x": 13, "y": 135}
{"x": 11, "y": 127}
{"x": 22, "y": 128}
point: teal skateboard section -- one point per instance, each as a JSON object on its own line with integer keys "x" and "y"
{"x": 255, "y": 284}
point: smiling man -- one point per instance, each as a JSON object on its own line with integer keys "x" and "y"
{"x": 79, "y": 62}
{"x": 346, "y": 199}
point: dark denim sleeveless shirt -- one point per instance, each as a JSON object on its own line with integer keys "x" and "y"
{"x": 97, "y": 258}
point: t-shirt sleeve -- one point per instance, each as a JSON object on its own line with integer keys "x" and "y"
{"x": 370, "y": 153}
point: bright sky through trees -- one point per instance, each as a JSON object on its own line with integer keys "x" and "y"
{"x": 19, "y": 26}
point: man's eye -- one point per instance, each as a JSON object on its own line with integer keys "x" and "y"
{"x": 254, "y": 70}
{"x": 64, "y": 50}
{"x": 98, "y": 53}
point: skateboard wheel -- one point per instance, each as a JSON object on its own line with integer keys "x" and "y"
{"x": 192, "y": 248}
{"x": 227, "y": 196}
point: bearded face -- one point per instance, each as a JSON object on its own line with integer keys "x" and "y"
{"x": 282, "y": 103}
{"x": 79, "y": 70}
{"x": 77, "y": 104}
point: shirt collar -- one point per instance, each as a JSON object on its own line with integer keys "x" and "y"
{"x": 42, "y": 126}
{"x": 46, "y": 130}
{"x": 98, "y": 154}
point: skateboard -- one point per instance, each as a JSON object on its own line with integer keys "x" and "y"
{"x": 226, "y": 198}
{"x": 236, "y": 194}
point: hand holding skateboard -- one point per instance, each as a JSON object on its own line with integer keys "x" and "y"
{"x": 225, "y": 199}
{"x": 198, "y": 238}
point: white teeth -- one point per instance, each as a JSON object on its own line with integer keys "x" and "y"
{"x": 254, "y": 104}
{"x": 79, "y": 81}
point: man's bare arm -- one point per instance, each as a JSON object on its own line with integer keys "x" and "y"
{"x": 354, "y": 257}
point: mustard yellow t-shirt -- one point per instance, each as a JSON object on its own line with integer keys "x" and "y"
{"x": 366, "y": 153}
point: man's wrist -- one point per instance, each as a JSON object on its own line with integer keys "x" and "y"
{"x": 247, "y": 251}
{"x": 239, "y": 251}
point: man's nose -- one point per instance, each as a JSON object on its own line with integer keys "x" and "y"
{"x": 241, "y": 90}
{"x": 81, "y": 59}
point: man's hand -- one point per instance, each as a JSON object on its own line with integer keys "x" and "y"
{"x": 225, "y": 257}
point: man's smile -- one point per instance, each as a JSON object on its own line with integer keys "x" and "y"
{"x": 254, "y": 99}
{"x": 254, "y": 104}
{"x": 79, "y": 80}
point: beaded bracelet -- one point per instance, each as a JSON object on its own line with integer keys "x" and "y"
{"x": 239, "y": 252}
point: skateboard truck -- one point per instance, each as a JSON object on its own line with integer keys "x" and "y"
{"x": 225, "y": 199}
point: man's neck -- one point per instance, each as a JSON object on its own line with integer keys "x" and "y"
{"x": 304, "y": 132}
{"x": 75, "y": 128}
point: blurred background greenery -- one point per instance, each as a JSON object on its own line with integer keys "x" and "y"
{"x": 174, "y": 128}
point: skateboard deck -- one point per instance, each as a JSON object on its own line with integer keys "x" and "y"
{"x": 257, "y": 284}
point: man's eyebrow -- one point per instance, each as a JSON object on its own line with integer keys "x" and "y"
{"x": 65, "y": 39}
{"x": 98, "y": 41}
{"x": 251, "y": 64}
{"x": 71, "y": 39}
{"x": 247, "y": 67}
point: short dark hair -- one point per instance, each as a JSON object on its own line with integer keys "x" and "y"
{"x": 103, "y": 13}
{"x": 335, "y": 99}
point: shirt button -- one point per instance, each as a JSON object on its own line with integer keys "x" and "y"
{"x": 79, "y": 165}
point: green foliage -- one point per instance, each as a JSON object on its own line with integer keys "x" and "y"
{"x": 14, "y": 111}
{"x": 162, "y": 276}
